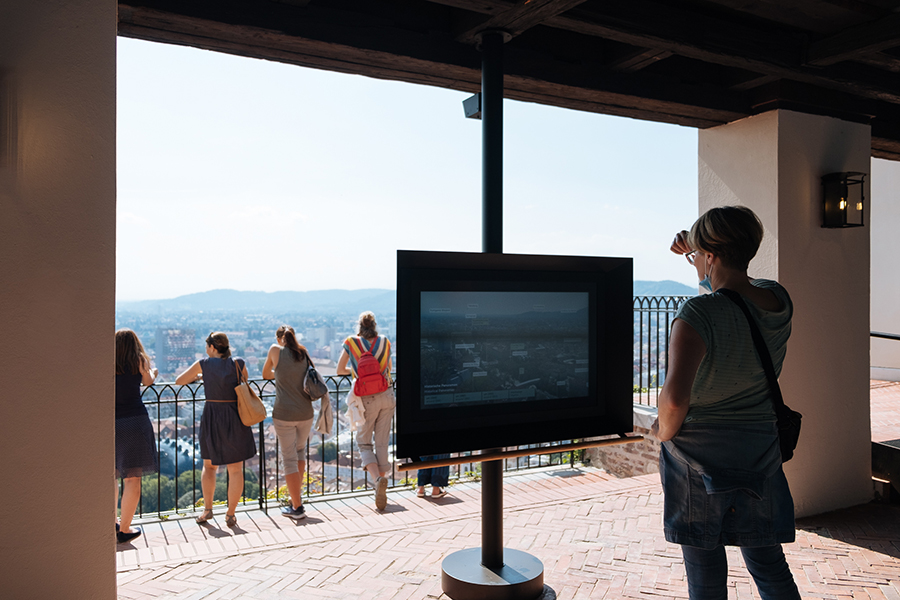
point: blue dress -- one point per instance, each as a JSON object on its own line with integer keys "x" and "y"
{"x": 224, "y": 439}
{"x": 135, "y": 442}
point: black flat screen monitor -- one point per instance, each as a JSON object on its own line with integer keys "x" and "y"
{"x": 498, "y": 350}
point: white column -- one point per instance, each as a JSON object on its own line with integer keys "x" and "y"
{"x": 773, "y": 163}
{"x": 57, "y": 299}
{"x": 885, "y": 283}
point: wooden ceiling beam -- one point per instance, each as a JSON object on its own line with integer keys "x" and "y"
{"x": 518, "y": 18}
{"x": 637, "y": 60}
{"x": 881, "y": 60}
{"x": 389, "y": 41}
{"x": 398, "y": 56}
{"x": 649, "y": 24}
{"x": 751, "y": 82}
{"x": 856, "y": 42}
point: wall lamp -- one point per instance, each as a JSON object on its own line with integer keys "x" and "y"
{"x": 843, "y": 199}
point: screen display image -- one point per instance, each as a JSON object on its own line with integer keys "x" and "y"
{"x": 503, "y": 347}
{"x": 499, "y": 350}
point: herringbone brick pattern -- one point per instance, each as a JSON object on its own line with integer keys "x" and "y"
{"x": 597, "y": 537}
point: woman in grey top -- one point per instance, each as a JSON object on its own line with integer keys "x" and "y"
{"x": 292, "y": 415}
{"x": 720, "y": 461}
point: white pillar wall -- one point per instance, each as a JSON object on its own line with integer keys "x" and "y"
{"x": 57, "y": 299}
{"x": 773, "y": 163}
{"x": 885, "y": 312}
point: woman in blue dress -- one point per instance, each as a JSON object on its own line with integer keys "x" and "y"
{"x": 224, "y": 439}
{"x": 135, "y": 442}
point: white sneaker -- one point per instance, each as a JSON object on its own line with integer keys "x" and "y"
{"x": 381, "y": 493}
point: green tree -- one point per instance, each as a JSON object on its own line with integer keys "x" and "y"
{"x": 157, "y": 494}
{"x": 328, "y": 451}
{"x": 189, "y": 480}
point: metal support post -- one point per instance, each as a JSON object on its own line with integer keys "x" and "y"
{"x": 492, "y": 141}
{"x": 492, "y": 514}
{"x": 500, "y": 574}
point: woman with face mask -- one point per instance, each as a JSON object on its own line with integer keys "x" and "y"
{"x": 720, "y": 460}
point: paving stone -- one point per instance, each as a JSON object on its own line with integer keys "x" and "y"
{"x": 597, "y": 537}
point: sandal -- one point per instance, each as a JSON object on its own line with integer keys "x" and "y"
{"x": 205, "y": 516}
{"x": 231, "y": 520}
{"x": 440, "y": 494}
{"x": 420, "y": 493}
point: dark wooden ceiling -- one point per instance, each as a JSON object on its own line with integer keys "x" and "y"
{"x": 693, "y": 62}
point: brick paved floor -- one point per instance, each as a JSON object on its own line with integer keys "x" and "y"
{"x": 598, "y": 537}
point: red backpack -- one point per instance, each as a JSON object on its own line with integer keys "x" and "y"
{"x": 369, "y": 378}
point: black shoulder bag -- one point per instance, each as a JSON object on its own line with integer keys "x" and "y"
{"x": 788, "y": 420}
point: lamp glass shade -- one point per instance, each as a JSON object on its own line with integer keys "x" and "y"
{"x": 844, "y": 199}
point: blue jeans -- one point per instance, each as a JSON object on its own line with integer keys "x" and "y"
{"x": 437, "y": 476}
{"x": 707, "y": 572}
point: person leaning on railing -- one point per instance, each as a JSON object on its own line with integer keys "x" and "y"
{"x": 135, "y": 441}
{"x": 720, "y": 460}
{"x": 224, "y": 439}
{"x": 292, "y": 415}
{"x": 379, "y": 407}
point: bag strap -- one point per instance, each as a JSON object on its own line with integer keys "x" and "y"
{"x": 240, "y": 375}
{"x": 761, "y": 349}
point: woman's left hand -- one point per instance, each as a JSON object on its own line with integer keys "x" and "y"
{"x": 654, "y": 430}
{"x": 679, "y": 244}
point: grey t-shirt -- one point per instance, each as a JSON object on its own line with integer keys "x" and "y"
{"x": 291, "y": 402}
{"x": 730, "y": 384}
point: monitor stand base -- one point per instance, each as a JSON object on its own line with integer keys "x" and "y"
{"x": 521, "y": 577}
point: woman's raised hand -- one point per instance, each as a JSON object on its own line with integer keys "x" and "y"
{"x": 679, "y": 244}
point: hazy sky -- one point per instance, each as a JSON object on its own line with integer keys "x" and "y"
{"x": 254, "y": 175}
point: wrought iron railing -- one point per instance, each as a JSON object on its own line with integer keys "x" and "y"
{"x": 653, "y": 317}
{"x": 333, "y": 463}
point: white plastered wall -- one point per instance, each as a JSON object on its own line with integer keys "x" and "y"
{"x": 57, "y": 299}
{"x": 885, "y": 359}
{"x": 773, "y": 163}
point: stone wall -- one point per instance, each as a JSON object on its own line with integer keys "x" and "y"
{"x": 629, "y": 460}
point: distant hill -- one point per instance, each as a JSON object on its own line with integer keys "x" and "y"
{"x": 377, "y": 300}
{"x": 662, "y": 288}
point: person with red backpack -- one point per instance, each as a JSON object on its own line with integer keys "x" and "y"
{"x": 369, "y": 358}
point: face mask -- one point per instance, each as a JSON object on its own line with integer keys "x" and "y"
{"x": 706, "y": 284}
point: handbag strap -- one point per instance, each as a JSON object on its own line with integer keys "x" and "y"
{"x": 240, "y": 375}
{"x": 761, "y": 349}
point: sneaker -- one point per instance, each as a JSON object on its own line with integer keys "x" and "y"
{"x": 381, "y": 493}
{"x": 124, "y": 538}
{"x": 293, "y": 513}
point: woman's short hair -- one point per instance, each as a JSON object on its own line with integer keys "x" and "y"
{"x": 130, "y": 353}
{"x": 219, "y": 341}
{"x": 367, "y": 326}
{"x": 733, "y": 233}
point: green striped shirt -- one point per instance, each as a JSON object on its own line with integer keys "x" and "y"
{"x": 730, "y": 384}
